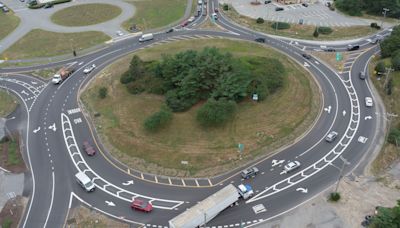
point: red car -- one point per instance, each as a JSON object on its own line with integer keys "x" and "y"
{"x": 141, "y": 205}
{"x": 185, "y": 23}
{"x": 88, "y": 148}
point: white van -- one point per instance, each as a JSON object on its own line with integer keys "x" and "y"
{"x": 146, "y": 37}
{"x": 85, "y": 182}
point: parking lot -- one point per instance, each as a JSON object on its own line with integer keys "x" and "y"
{"x": 316, "y": 14}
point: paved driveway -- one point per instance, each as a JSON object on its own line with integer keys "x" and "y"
{"x": 40, "y": 19}
{"x": 315, "y": 14}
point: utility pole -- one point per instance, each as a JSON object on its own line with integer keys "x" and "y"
{"x": 385, "y": 10}
{"x": 345, "y": 162}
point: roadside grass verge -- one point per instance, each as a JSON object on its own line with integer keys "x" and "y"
{"x": 8, "y": 22}
{"x": 7, "y": 103}
{"x": 39, "y": 43}
{"x": 261, "y": 127}
{"x": 299, "y": 31}
{"x": 389, "y": 153}
{"x": 87, "y": 14}
{"x": 152, "y": 14}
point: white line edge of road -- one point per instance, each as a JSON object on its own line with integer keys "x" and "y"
{"x": 72, "y": 195}
{"x": 51, "y": 202}
{"x": 28, "y": 154}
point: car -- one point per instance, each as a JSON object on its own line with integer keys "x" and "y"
{"x": 260, "y": 40}
{"x": 48, "y": 5}
{"x": 185, "y": 23}
{"x": 361, "y": 75}
{"x": 304, "y": 4}
{"x": 329, "y": 49}
{"x": 191, "y": 19}
{"x": 89, "y": 69}
{"x": 279, "y": 9}
{"x": 216, "y": 10}
{"x": 267, "y": 1}
{"x": 119, "y": 33}
{"x": 368, "y": 102}
{"x": 6, "y": 9}
{"x": 200, "y": 2}
{"x": 169, "y": 30}
{"x": 88, "y": 148}
{"x": 215, "y": 16}
{"x": 306, "y": 56}
{"x": 291, "y": 166}
{"x": 376, "y": 40}
{"x": 301, "y": 21}
{"x": 1, "y": 5}
{"x": 141, "y": 205}
{"x": 352, "y": 48}
{"x": 331, "y": 136}
{"x": 250, "y": 172}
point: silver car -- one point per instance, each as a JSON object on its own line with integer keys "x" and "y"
{"x": 331, "y": 136}
{"x": 292, "y": 166}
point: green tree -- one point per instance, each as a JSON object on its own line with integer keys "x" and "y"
{"x": 387, "y": 217}
{"x": 158, "y": 120}
{"x": 394, "y": 136}
{"x": 136, "y": 70}
{"x": 316, "y": 33}
{"x": 391, "y": 44}
{"x": 351, "y": 7}
{"x": 215, "y": 113}
{"x": 103, "y": 92}
{"x": 260, "y": 20}
{"x": 380, "y": 67}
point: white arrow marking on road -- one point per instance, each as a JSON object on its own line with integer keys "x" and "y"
{"x": 297, "y": 43}
{"x": 33, "y": 82}
{"x": 306, "y": 64}
{"x": 36, "y": 130}
{"x": 304, "y": 48}
{"x": 368, "y": 117}
{"x": 276, "y": 162}
{"x": 303, "y": 190}
{"x": 128, "y": 183}
{"x": 80, "y": 63}
{"x": 24, "y": 92}
{"x": 344, "y": 112}
{"x": 316, "y": 62}
{"x": 328, "y": 109}
{"x": 11, "y": 118}
{"x": 283, "y": 172}
{"x": 53, "y": 127}
{"x": 110, "y": 203}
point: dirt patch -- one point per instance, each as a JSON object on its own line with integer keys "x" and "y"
{"x": 12, "y": 212}
{"x": 10, "y": 154}
{"x": 80, "y": 217}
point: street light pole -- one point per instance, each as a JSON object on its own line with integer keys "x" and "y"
{"x": 345, "y": 162}
{"x": 385, "y": 10}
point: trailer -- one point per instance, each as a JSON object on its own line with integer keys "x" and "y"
{"x": 62, "y": 74}
{"x": 207, "y": 209}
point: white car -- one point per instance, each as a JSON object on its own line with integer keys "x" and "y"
{"x": 89, "y": 69}
{"x": 292, "y": 166}
{"x": 119, "y": 33}
{"x": 368, "y": 102}
{"x": 331, "y": 136}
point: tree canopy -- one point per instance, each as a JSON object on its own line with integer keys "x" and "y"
{"x": 374, "y": 7}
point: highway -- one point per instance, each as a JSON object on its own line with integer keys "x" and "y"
{"x": 54, "y": 125}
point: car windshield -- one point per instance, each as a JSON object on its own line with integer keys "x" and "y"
{"x": 88, "y": 184}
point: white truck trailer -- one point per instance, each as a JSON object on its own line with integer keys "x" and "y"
{"x": 210, "y": 207}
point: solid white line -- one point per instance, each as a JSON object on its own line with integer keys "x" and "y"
{"x": 51, "y": 202}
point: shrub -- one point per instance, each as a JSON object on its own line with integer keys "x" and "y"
{"x": 374, "y": 25}
{"x": 7, "y": 223}
{"x": 394, "y": 136}
{"x": 380, "y": 67}
{"x": 316, "y": 33}
{"x": 334, "y": 196}
{"x": 158, "y": 120}
{"x": 389, "y": 86}
{"x": 325, "y": 30}
{"x": 260, "y": 20}
{"x": 135, "y": 88}
{"x": 225, "y": 7}
{"x": 126, "y": 77}
{"x": 215, "y": 112}
{"x": 280, "y": 25}
{"x": 103, "y": 92}
{"x": 396, "y": 60}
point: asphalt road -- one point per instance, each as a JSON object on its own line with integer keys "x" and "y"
{"x": 54, "y": 127}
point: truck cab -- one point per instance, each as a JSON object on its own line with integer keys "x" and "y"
{"x": 56, "y": 79}
{"x": 245, "y": 191}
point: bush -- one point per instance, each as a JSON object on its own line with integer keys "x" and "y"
{"x": 351, "y": 7}
{"x": 325, "y": 30}
{"x": 375, "y": 25}
{"x": 260, "y": 20}
{"x": 280, "y": 25}
{"x": 316, "y": 33}
{"x": 7, "y": 223}
{"x": 215, "y": 113}
{"x": 135, "y": 88}
{"x": 225, "y": 7}
{"x": 394, "y": 136}
{"x": 334, "y": 196}
{"x": 396, "y": 60}
{"x": 103, "y": 92}
{"x": 380, "y": 67}
{"x": 126, "y": 77}
{"x": 158, "y": 120}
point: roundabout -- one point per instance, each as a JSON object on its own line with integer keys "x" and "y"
{"x": 57, "y": 125}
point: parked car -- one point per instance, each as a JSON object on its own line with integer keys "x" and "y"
{"x": 250, "y": 172}
{"x": 362, "y": 75}
{"x": 88, "y": 148}
{"x": 328, "y": 49}
{"x": 331, "y": 136}
{"x": 291, "y": 166}
{"x": 279, "y": 9}
{"x": 304, "y": 4}
{"x": 353, "y": 48}
{"x": 306, "y": 56}
{"x": 368, "y": 102}
{"x": 89, "y": 69}
{"x": 260, "y": 40}
{"x": 267, "y": 1}
{"x": 48, "y": 5}
{"x": 141, "y": 205}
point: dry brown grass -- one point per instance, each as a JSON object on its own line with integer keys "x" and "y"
{"x": 7, "y": 103}
{"x": 267, "y": 124}
{"x": 82, "y": 217}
